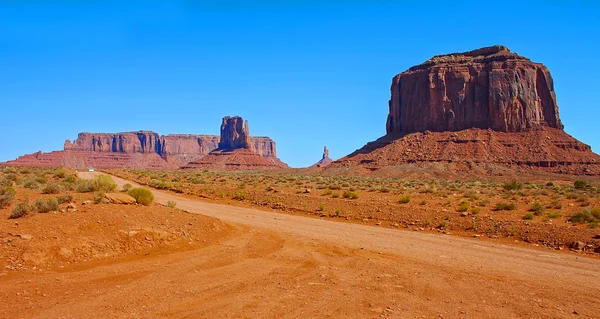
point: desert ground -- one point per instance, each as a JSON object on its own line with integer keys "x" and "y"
{"x": 204, "y": 259}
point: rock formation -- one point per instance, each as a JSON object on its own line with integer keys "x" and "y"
{"x": 143, "y": 149}
{"x": 325, "y": 160}
{"x": 487, "y": 106}
{"x": 234, "y": 134}
{"x": 486, "y": 88}
{"x": 235, "y": 150}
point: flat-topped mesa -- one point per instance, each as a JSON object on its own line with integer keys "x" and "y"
{"x": 234, "y": 134}
{"x": 487, "y": 88}
{"x": 128, "y": 142}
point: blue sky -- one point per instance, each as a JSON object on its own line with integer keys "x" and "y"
{"x": 305, "y": 73}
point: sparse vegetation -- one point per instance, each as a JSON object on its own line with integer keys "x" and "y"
{"x": 239, "y": 196}
{"x": 66, "y": 198}
{"x": 142, "y": 196}
{"x": 404, "y": 199}
{"x": 505, "y": 206}
{"x": 45, "y": 205}
{"x": 126, "y": 188}
{"x": 528, "y": 216}
{"x": 51, "y": 188}
{"x": 7, "y": 194}
{"x": 351, "y": 195}
{"x": 513, "y": 186}
{"x": 537, "y": 208}
{"x": 171, "y": 204}
{"x": 20, "y": 210}
{"x": 581, "y": 185}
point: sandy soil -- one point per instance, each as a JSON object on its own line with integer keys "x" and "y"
{"x": 273, "y": 265}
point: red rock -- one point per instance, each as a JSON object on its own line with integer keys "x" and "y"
{"x": 234, "y": 134}
{"x": 325, "y": 160}
{"x": 143, "y": 149}
{"x": 475, "y": 111}
{"x": 234, "y": 152}
{"x": 486, "y": 88}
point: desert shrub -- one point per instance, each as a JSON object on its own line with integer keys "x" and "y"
{"x": 537, "y": 208}
{"x": 21, "y": 209}
{"x": 126, "y": 188}
{"x": 338, "y": 213}
{"x": 321, "y": 207}
{"x": 158, "y": 184}
{"x": 484, "y": 202}
{"x": 512, "y": 186}
{"x": 596, "y": 213}
{"x": 60, "y": 173}
{"x": 51, "y": 188}
{"x": 554, "y": 215}
{"x": 556, "y": 204}
{"x": 70, "y": 179}
{"x": 99, "y": 197}
{"x": 327, "y": 192}
{"x": 475, "y": 210}
{"x": 86, "y": 186}
{"x": 40, "y": 178}
{"x": 423, "y": 203}
{"x": 585, "y": 217}
{"x": 66, "y": 198}
{"x": 9, "y": 170}
{"x": 335, "y": 195}
{"x": 581, "y": 185}
{"x": 464, "y": 206}
{"x": 7, "y": 194}
{"x": 44, "y": 205}
{"x": 404, "y": 199}
{"x": 142, "y": 195}
{"x": 350, "y": 195}
{"x": 30, "y": 183}
{"x": 528, "y": 216}
{"x": 506, "y": 206}
{"x": 171, "y": 204}
{"x": 239, "y": 196}
{"x": 197, "y": 181}
{"x": 549, "y": 184}
{"x": 106, "y": 183}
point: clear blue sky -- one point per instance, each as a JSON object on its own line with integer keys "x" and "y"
{"x": 305, "y": 73}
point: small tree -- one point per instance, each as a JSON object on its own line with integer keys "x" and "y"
{"x": 142, "y": 196}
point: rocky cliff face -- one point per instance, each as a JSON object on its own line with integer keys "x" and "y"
{"x": 485, "y": 88}
{"x": 146, "y": 149}
{"x": 235, "y": 134}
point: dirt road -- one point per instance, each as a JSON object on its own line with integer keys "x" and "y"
{"x": 283, "y": 266}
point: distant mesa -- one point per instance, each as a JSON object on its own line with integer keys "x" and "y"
{"x": 142, "y": 149}
{"x": 325, "y": 160}
{"x": 235, "y": 151}
{"x": 486, "y": 106}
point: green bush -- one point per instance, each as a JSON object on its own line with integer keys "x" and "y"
{"x": 581, "y": 185}
{"x": 99, "y": 197}
{"x": 126, "y": 188}
{"x": 586, "y": 216}
{"x": 404, "y": 199}
{"x": 350, "y": 195}
{"x": 335, "y": 195}
{"x": 327, "y": 192}
{"x": 506, "y": 206}
{"x": 30, "y": 183}
{"x": 7, "y": 194}
{"x": 142, "y": 196}
{"x": 513, "y": 186}
{"x": 528, "y": 216}
{"x": 537, "y": 208}
{"x": 171, "y": 204}
{"x": 464, "y": 206}
{"x": 44, "y": 205}
{"x": 20, "y": 210}
{"x": 554, "y": 215}
{"x": 239, "y": 196}
{"x": 51, "y": 188}
{"x": 106, "y": 183}
{"x": 70, "y": 179}
{"x": 66, "y": 198}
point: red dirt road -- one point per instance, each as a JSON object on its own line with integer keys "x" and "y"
{"x": 283, "y": 266}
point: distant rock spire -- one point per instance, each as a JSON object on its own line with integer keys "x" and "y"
{"x": 325, "y": 153}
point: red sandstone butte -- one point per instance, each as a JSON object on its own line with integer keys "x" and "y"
{"x": 235, "y": 151}
{"x": 484, "y": 107}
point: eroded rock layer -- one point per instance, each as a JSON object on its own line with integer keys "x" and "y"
{"x": 143, "y": 149}
{"x": 486, "y": 88}
{"x": 545, "y": 149}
